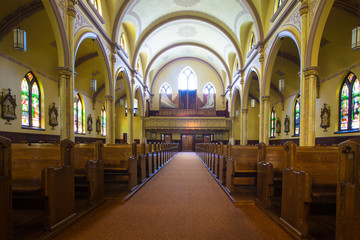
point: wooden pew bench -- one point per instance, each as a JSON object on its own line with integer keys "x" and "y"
{"x": 120, "y": 164}
{"x": 43, "y": 178}
{"x": 89, "y": 171}
{"x": 242, "y": 167}
{"x": 148, "y": 160}
{"x": 141, "y": 162}
{"x": 309, "y": 186}
{"x": 348, "y": 191}
{"x": 5, "y": 189}
{"x": 269, "y": 177}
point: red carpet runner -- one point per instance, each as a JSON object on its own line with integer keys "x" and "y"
{"x": 181, "y": 202}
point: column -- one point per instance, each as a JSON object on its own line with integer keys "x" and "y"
{"x": 310, "y": 103}
{"x": 66, "y": 104}
{"x": 110, "y": 119}
{"x": 130, "y": 120}
{"x": 244, "y": 127}
{"x": 304, "y": 10}
{"x": 264, "y": 119}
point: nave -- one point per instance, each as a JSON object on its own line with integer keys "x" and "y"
{"x": 181, "y": 202}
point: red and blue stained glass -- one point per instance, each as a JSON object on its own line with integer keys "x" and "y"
{"x": 30, "y": 101}
{"x": 344, "y": 111}
{"x": 349, "y": 118}
{"x": 297, "y": 117}
{"x": 79, "y": 115}
{"x": 25, "y": 102}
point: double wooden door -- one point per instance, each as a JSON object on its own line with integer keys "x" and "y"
{"x": 187, "y": 143}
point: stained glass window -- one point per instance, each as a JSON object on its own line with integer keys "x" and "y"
{"x": 123, "y": 41}
{"x": 103, "y": 121}
{"x": 30, "y": 101}
{"x": 209, "y": 89}
{"x": 272, "y": 122}
{"x": 187, "y": 80}
{"x": 166, "y": 89}
{"x": 349, "y": 103}
{"x": 297, "y": 117}
{"x": 79, "y": 115}
{"x": 97, "y": 5}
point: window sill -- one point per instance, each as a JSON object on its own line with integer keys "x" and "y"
{"x": 296, "y": 135}
{"x": 80, "y": 133}
{"x": 347, "y": 131}
{"x": 33, "y": 128}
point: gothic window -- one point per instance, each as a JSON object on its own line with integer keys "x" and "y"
{"x": 272, "y": 123}
{"x": 123, "y": 42}
{"x": 252, "y": 41}
{"x": 187, "y": 79}
{"x": 97, "y": 5}
{"x": 209, "y": 89}
{"x": 166, "y": 89}
{"x": 136, "y": 108}
{"x": 297, "y": 117}
{"x": 349, "y": 103}
{"x": 30, "y": 101}
{"x": 187, "y": 89}
{"x": 79, "y": 114}
{"x": 103, "y": 121}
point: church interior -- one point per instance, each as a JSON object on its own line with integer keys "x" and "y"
{"x": 115, "y": 111}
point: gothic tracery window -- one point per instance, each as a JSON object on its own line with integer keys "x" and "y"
{"x": 187, "y": 79}
{"x": 272, "y": 122}
{"x": 79, "y": 115}
{"x": 103, "y": 121}
{"x": 297, "y": 117}
{"x": 209, "y": 89}
{"x": 30, "y": 101}
{"x": 166, "y": 89}
{"x": 349, "y": 103}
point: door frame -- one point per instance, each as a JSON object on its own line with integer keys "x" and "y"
{"x": 193, "y": 143}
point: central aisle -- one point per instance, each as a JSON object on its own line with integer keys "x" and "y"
{"x": 181, "y": 202}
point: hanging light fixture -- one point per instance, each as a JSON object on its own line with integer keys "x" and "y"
{"x": 19, "y": 35}
{"x": 253, "y": 102}
{"x": 282, "y": 80}
{"x": 355, "y": 38}
{"x": 93, "y": 80}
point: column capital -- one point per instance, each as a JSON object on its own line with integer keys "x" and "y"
{"x": 245, "y": 110}
{"x": 64, "y": 71}
{"x": 304, "y": 9}
{"x": 264, "y": 98}
{"x": 71, "y": 11}
{"x": 131, "y": 110}
{"x": 109, "y": 97}
{"x": 311, "y": 71}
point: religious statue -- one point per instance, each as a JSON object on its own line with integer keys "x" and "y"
{"x": 89, "y": 123}
{"x": 53, "y": 115}
{"x": 278, "y": 126}
{"x": 98, "y": 125}
{"x": 8, "y": 104}
{"x": 325, "y": 117}
{"x": 287, "y": 125}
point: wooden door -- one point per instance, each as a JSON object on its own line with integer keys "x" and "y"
{"x": 207, "y": 139}
{"x": 187, "y": 142}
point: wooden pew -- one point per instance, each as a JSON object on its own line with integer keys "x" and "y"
{"x": 89, "y": 170}
{"x": 348, "y": 191}
{"x": 43, "y": 178}
{"x": 149, "y": 159}
{"x": 309, "y": 177}
{"x": 241, "y": 167}
{"x": 120, "y": 163}
{"x": 141, "y": 162}
{"x": 5, "y": 189}
{"x": 222, "y": 163}
{"x": 269, "y": 176}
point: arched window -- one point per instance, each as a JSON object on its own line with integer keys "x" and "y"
{"x": 166, "y": 89}
{"x": 97, "y": 5}
{"x": 272, "y": 123}
{"x": 252, "y": 41}
{"x": 30, "y": 101}
{"x": 187, "y": 79}
{"x": 349, "y": 103}
{"x": 123, "y": 42}
{"x": 278, "y": 4}
{"x": 103, "y": 121}
{"x": 79, "y": 114}
{"x": 209, "y": 89}
{"x": 297, "y": 117}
